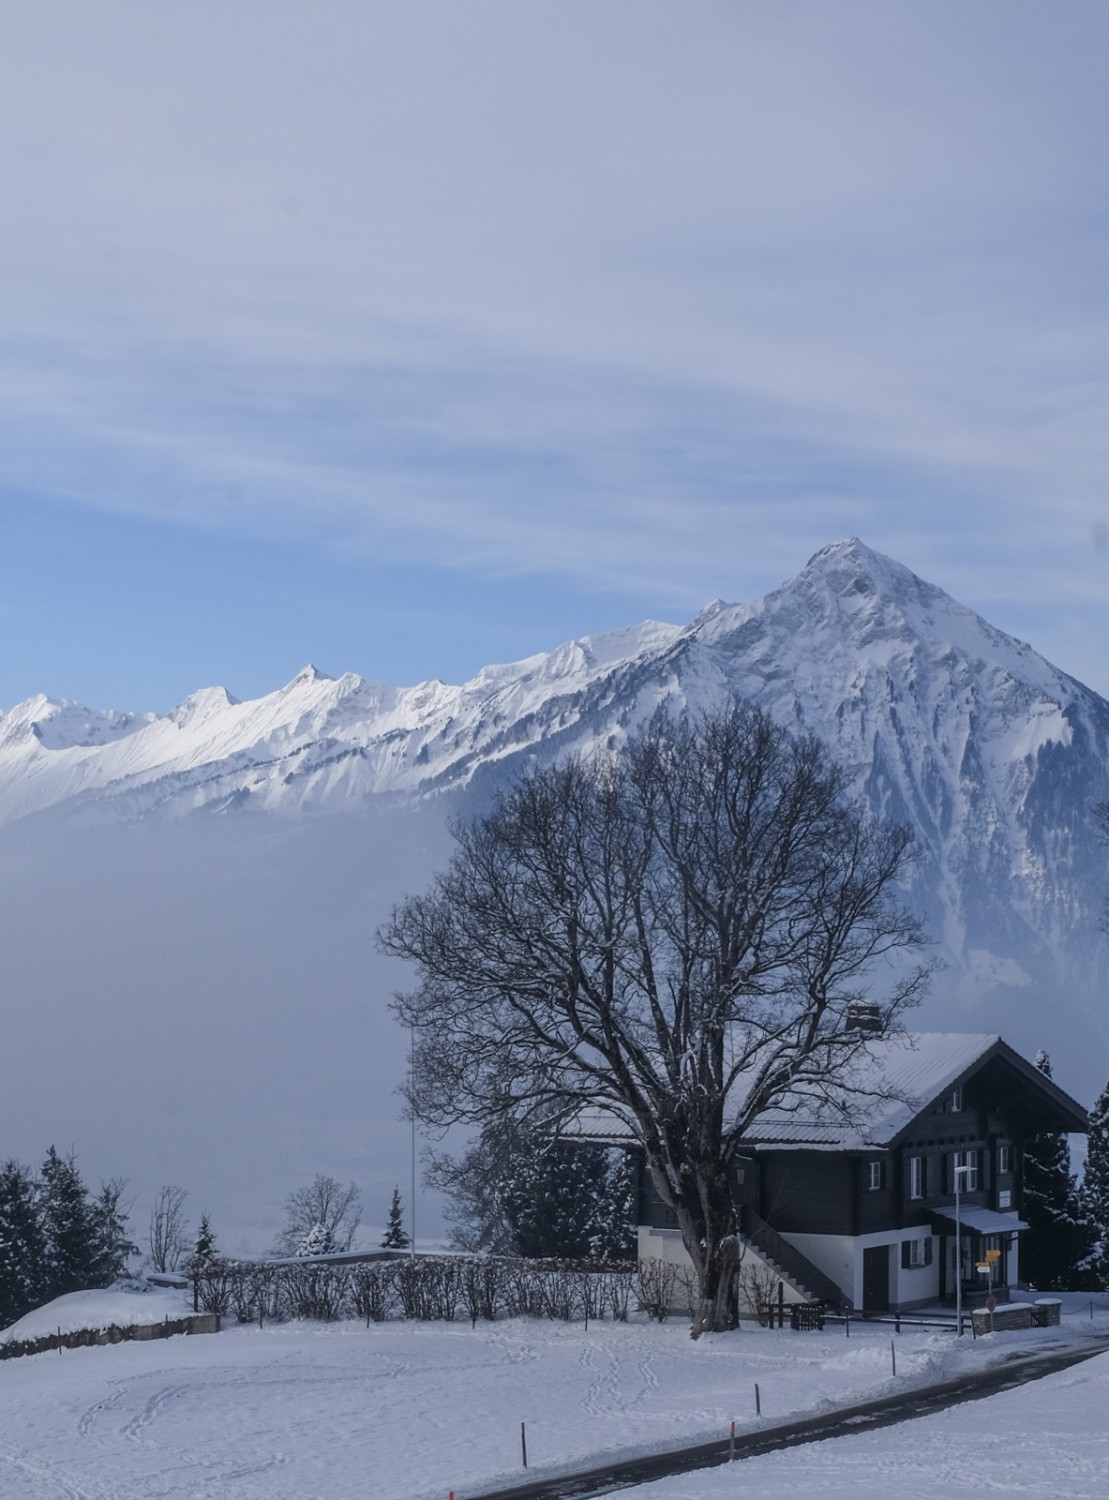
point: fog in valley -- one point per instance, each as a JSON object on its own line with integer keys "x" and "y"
{"x": 200, "y": 1002}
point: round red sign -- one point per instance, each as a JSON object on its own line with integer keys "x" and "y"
{"x": 991, "y": 1303}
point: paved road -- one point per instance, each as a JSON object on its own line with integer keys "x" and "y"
{"x": 867, "y": 1415}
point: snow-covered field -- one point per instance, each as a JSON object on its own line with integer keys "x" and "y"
{"x": 400, "y": 1410}
{"x": 1046, "y": 1441}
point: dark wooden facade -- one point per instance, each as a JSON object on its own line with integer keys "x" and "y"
{"x": 901, "y": 1191}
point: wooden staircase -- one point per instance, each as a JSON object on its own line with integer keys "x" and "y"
{"x": 789, "y": 1262}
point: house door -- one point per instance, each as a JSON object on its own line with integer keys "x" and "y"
{"x": 876, "y": 1279}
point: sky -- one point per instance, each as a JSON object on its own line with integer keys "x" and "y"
{"x": 407, "y": 337}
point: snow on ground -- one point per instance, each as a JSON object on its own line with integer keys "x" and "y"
{"x": 1044, "y": 1440}
{"x": 401, "y": 1410}
{"x": 122, "y": 1306}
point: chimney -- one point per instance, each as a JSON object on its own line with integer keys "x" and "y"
{"x": 864, "y": 1015}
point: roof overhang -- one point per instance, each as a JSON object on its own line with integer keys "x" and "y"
{"x": 981, "y": 1220}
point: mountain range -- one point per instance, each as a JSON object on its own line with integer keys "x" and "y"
{"x": 992, "y": 755}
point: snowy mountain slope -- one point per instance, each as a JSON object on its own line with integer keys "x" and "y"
{"x": 992, "y": 755}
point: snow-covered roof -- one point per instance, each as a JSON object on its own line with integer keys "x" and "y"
{"x": 887, "y": 1088}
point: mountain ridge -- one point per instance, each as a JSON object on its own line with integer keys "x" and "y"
{"x": 990, "y": 753}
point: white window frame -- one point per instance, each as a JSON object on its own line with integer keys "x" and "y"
{"x": 918, "y": 1177}
{"x": 969, "y": 1161}
{"x": 955, "y": 1102}
{"x": 1004, "y": 1159}
{"x": 917, "y": 1261}
{"x": 874, "y": 1176}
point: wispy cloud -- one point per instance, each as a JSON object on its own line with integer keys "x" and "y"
{"x": 647, "y": 298}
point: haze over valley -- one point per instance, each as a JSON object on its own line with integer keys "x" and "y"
{"x": 191, "y": 899}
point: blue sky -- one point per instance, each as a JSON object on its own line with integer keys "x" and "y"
{"x": 408, "y": 337}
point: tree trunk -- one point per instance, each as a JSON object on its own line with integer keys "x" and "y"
{"x": 709, "y": 1235}
{"x": 716, "y": 1301}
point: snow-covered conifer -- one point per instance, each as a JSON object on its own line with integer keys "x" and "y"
{"x": 205, "y": 1246}
{"x": 114, "y": 1246}
{"x": 70, "y": 1228}
{"x": 22, "y": 1247}
{"x": 317, "y": 1241}
{"x": 395, "y": 1237}
{"x": 522, "y": 1191}
{"x": 1095, "y": 1187}
{"x": 1055, "y": 1252}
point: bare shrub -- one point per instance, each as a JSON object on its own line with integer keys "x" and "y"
{"x": 655, "y": 1285}
{"x": 758, "y": 1291}
{"x": 373, "y": 1293}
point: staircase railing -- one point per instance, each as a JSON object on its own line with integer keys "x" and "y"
{"x": 796, "y": 1266}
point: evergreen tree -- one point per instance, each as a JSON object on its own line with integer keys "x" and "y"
{"x": 22, "y": 1247}
{"x": 1095, "y": 1188}
{"x": 522, "y": 1191}
{"x": 205, "y": 1248}
{"x": 1059, "y": 1239}
{"x": 615, "y": 1235}
{"x": 70, "y": 1228}
{"x": 318, "y": 1241}
{"x": 113, "y": 1245}
{"x": 551, "y": 1198}
{"x": 395, "y": 1236}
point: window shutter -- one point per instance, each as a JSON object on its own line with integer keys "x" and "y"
{"x": 928, "y": 1251}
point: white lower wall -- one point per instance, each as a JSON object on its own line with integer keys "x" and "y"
{"x": 666, "y": 1245}
{"x": 834, "y": 1254}
{"x": 840, "y": 1256}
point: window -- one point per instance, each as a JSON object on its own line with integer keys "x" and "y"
{"x": 916, "y": 1253}
{"x": 954, "y": 1105}
{"x": 918, "y": 1176}
{"x": 875, "y": 1176}
{"x": 1004, "y": 1159}
{"x": 964, "y": 1170}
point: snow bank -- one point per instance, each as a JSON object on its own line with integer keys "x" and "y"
{"x": 121, "y": 1306}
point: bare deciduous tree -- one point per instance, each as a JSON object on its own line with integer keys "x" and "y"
{"x": 325, "y": 1203}
{"x": 169, "y": 1233}
{"x": 672, "y": 935}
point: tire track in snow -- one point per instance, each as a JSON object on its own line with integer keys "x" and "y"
{"x": 42, "y": 1474}
{"x": 151, "y": 1408}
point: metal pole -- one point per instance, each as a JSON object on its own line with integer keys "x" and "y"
{"x": 958, "y": 1258}
{"x": 411, "y": 1086}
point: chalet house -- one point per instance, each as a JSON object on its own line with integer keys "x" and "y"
{"x": 862, "y": 1212}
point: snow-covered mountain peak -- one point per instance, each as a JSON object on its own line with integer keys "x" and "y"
{"x": 201, "y": 706}
{"x": 710, "y": 611}
{"x": 308, "y": 676}
{"x": 62, "y": 724}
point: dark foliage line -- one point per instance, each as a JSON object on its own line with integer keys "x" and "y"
{"x": 425, "y": 1288}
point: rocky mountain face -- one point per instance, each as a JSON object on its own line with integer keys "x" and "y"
{"x": 994, "y": 756}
